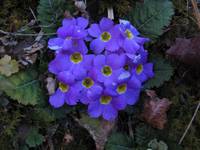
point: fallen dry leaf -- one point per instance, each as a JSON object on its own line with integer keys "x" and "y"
{"x": 68, "y": 138}
{"x": 51, "y": 85}
{"x": 155, "y": 110}
{"x": 99, "y": 129}
{"x": 186, "y": 50}
{"x": 8, "y": 66}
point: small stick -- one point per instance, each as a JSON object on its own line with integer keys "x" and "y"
{"x": 189, "y": 125}
{"x": 196, "y": 11}
{"x": 23, "y": 34}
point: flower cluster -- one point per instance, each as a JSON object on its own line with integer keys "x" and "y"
{"x": 109, "y": 75}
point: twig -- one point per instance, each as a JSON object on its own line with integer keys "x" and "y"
{"x": 196, "y": 11}
{"x": 24, "y": 34}
{"x": 189, "y": 125}
{"x": 32, "y": 12}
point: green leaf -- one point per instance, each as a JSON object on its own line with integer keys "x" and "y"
{"x": 42, "y": 115}
{"x": 23, "y": 87}
{"x": 33, "y": 138}
{"x": 157, "y": 145}
{"x": 119, "y": 141}
{"x": 51, "y": 12}
{"x": 151, "y": 17}
{"x": 163, "y": 72}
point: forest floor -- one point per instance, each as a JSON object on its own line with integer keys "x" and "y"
{"x": 167, "y": 115}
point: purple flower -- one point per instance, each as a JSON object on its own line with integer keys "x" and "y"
{"x": 106, "y": 105}
{"x": 127, "y": 90}
{"x": 66, "y": 92}
{"x": 143, "y": 71}
{"x": 70, "y": 34}
{"x": 105, "y": 34}
{"x": 88, "y": 89}
{"x": 140, "y": 56}
{"x": 108, "y": 68}
{"x": 76, "y": 63}
{"x": 130, "y": 41}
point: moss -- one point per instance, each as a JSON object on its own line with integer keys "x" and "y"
{"x": 15, "y": 13}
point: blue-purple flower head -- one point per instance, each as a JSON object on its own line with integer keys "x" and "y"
{"x": 109, "y": 76}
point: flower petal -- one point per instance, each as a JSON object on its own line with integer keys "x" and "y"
{"x": 141, "y": 40}
{"x": 99, "y": 61}
{"x": 57, "y": 99}
{"x": 94, "y": 30}
{"x": 112, "y": 45}
{"x": 67, "y": 44}
{"x": 94, "y": 92}
{"x": 55, "y": 43}
{"x": 130, "y": 46}
{"x": 119, "y": 103}
{"x": 95, "y": 109}
{"x": 97, "y": 46}
{"x": 79, "y": 46}
{"x": 116, "y": 61}
{"x": 69, "y": 22}
{"x": 105, "y": 24}
{"x": 82, "y": 22}
{"x": 79, "y": 72}
{"x": 132, "y": 96}
{"x": 59, "y": 64}
{"x": 66, "y": 77}
{"x": 64, "y": 31}
{"x": 109, "y": 112}
{"x": 148, "y": 70}
{"x": 88, "y": 61}
{"x": 134, "y": 83}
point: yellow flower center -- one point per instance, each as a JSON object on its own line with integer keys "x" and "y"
{"x": 76, "y": 58}
{"x": 121, "y": 88}
{"x": 63, "y": 87}
{"x": 105, "y": 99}
{"x": 105, "y": 36}
{"x": 106, "y": 70}
{"x": 139, "y": 69}
{"x": 88, "y": 82}
{"x": 126, "y": 67}
{"x": 129, "y": 34}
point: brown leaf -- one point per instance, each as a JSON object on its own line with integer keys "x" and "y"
{"x": 68, "y": 138}
{"x": 99, "y": 129}
{"x": 155, "y": 110}
{"x": 186, "y": 50}
{"x": 8, "y": 66}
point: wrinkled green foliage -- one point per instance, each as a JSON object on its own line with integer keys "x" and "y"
{"x": 163, "y": 72}
{"x": 157, "y": 145}
{"x": 51, "y": 13}
{"x": 114, "y": 143}
{"x": 151, "y": 17}
{"x": 24, "y": 126}
{"x": 23, "y": 87}
{"x": 34, "y": 138}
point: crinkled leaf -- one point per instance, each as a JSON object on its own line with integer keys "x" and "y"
{"x": 163, "y": 72}
{"x": 155, "y": 110}
{"x": 151, "y": 17}
{"x": 186, "y": 50}
{"x": 34, "y": 138}
{"x": 157, "y": 145}
{"x": 23, "y": 87}
{"x": 118, "y": 141}
{"x": 50, "y": 13}
{"x": 8, "y": 66}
